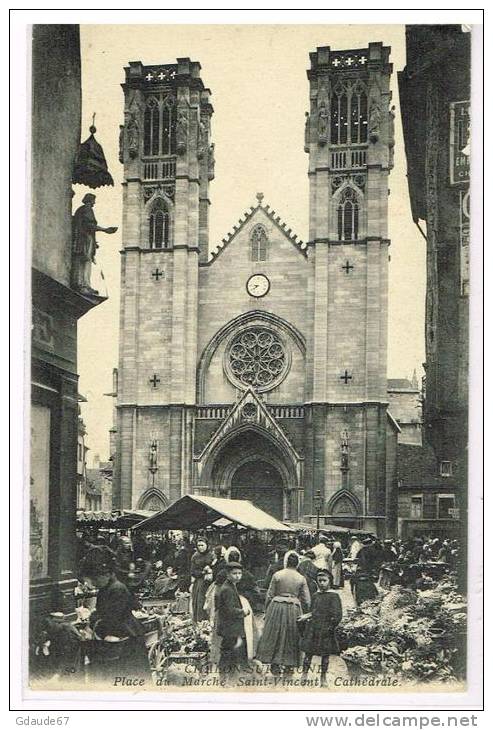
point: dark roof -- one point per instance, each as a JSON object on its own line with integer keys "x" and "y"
{"x": 417, "y": 466}
{"x": 94, "y": 480}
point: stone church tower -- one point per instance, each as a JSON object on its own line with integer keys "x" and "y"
{"x": 257, "y": 369}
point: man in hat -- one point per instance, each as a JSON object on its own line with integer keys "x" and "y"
{"x": 389, "y": 552}
{"x": 366, "y": 556}
{"x": 84, "y": 228}
{"x": 231, "y": 625}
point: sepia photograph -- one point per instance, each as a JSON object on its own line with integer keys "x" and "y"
{"x": 249, "y": 357}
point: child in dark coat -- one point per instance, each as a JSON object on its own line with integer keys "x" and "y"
{"x": 319, "y": 637}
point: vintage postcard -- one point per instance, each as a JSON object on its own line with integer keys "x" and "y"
{"x": 249, "y": 360}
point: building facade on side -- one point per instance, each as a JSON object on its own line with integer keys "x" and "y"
{"x": 434, "y": 92}
{"x": 56, "y": 308}
{"x": 257, "y": 369}
{"x": 427, "y": 490}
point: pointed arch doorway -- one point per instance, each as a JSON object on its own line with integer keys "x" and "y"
{"x": 261, "y": 483}
{"x": 250, "y": 465}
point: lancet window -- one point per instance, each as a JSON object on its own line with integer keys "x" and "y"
{"x": 258, "y": 242}
{"x": 159, "y": 126}
{"x": 349, "y": 114}
{"x": 159, "y": 225}
{"x": 348, "y": 213}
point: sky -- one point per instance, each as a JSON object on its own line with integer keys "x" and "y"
{"x": 257, "y": 76}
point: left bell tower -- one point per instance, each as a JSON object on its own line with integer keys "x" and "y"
{"x": 168, "y": 162}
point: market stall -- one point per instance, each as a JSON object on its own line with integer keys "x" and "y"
{"x": 180, "y": 640}
{"x": 326, "y": 529}
{"x": 408, "y": 634}
{"x": 193, "y": 513}
{"x": 119, "y": 519}
{"x": 97, "y": 517}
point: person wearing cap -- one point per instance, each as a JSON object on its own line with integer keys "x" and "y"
{"x": 362, "y": 582}
{"x": 119, "y": 646}
{"x": 366, "y": 556}
{"x": 245, "y": 588}
{"x": 230, "y": 616}
{"x": 166, "y": 583}
{"x": 389, "y": 553}
{"x": 319, "y": 637}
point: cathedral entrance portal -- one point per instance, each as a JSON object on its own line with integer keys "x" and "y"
{"x": 260, "y": 483}
{"x": 250, "y": 466}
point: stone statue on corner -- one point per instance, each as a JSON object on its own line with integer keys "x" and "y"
{"x": 211, "y": 162}
{"x": 374, "y": 121}
{"x": 322, "y": 124}
{"x": 84, "y": 228}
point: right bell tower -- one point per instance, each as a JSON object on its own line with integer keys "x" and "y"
{"x": 349, "y": 136}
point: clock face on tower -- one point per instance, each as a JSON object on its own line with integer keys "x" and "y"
{"x": 258, "y": 285}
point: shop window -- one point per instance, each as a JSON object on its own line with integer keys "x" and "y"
{"x": 258, "y": 243}
{"x": 445, "y": 468}
{"x": 445, "y": 503}
{"x": 417, "y": 507}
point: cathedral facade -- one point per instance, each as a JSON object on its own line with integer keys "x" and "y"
{"x": 257, "y": 369}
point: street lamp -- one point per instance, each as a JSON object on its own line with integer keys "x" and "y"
{"x": 318, "y": 500}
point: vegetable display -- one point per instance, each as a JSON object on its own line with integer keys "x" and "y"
{"x": 414, "y": 635}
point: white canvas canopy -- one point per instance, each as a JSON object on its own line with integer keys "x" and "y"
{"x": 196, "y": 513}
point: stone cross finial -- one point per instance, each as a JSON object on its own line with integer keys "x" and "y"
{"x": 260, "y": 197}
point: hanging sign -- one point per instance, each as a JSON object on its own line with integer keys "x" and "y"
{"x": 459, "y": 142}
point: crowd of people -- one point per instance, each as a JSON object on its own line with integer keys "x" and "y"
{"x": 269, "y": 601}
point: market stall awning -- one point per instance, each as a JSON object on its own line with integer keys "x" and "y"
{"x": 196, "y": 513}
{"x": 129, "y": 517}
{"x": 309, "y": 527}
{"x": 97, "y": 516}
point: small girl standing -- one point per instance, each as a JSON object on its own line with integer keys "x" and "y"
{"x": 319, "y": 637}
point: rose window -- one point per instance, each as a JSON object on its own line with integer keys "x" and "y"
{"x": 257, "y": 358}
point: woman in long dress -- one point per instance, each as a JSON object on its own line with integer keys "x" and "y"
{"x": 200, "y": 569}
{"x": 287, "y": 598}
{"x": 337, "y": 558}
